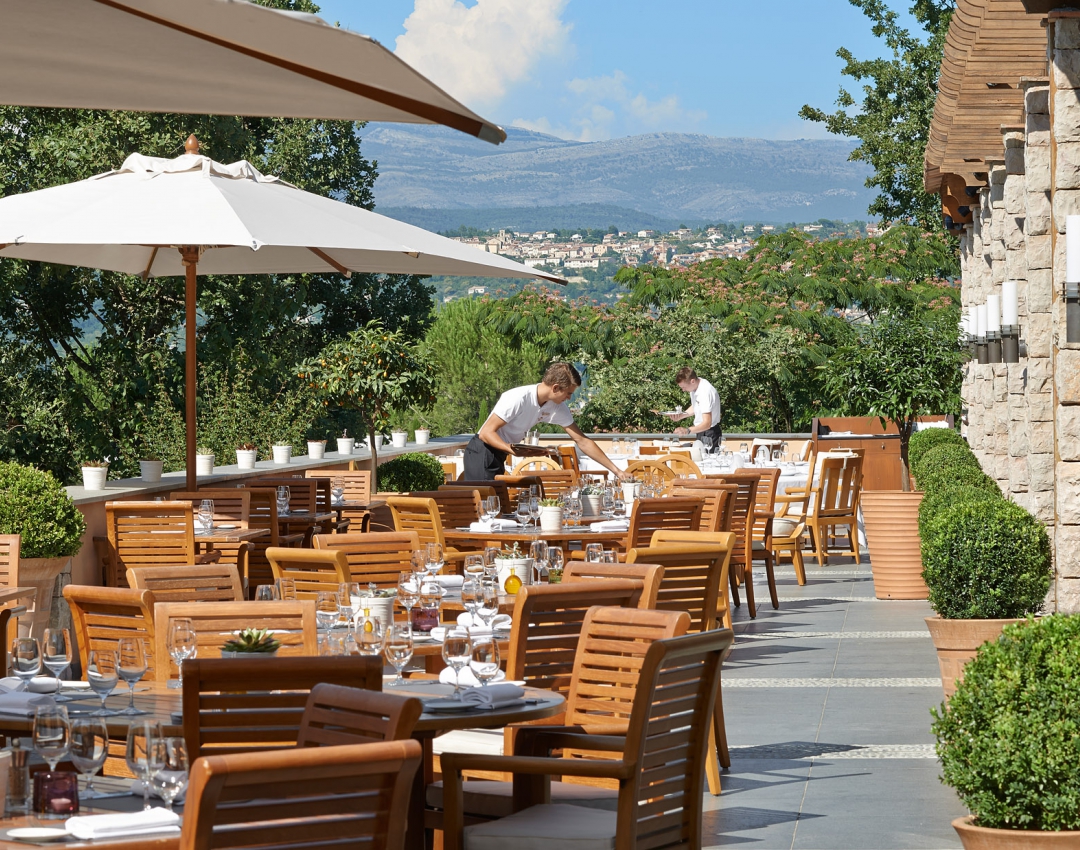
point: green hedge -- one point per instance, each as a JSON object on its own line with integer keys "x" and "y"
{"x": 942, "y": 460}
{"x": 938, "y": 499}
{"x": 412, "y": 471}
{"x": 922, "y": 441}
{"x": 1009, "y": 738}
{"x": 35, "y": 506}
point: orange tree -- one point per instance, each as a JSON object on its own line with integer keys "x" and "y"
{"x": 374, "y": 372}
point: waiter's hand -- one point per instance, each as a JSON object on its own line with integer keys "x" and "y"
{"x": 623, "y": 475}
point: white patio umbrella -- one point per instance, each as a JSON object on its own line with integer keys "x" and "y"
{"x": 223, "y": 57}
{"x": 166, "y": 217}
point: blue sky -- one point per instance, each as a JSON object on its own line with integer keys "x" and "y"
{"x": 599, "y": 69}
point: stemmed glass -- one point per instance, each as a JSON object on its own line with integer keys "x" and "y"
{"x": 102, "y": 674}
{"x": 337, "y": 490}
{"x": 326, "y": 610}
{"x": 573, "y": 510}
{"x": 89, "y": 749}
{"x": 52, "y": 733}
{"x": 283, "y": 497}
{"x": 206, "y": 514}
{"x": 183, "y": 644}
{"x": 555, "y": 559}
{"x": 140, "y": 738}
{"x": 435, "y": 558}
{"x": 489, "y": 601}
{"x": 474, "y": 566}
{"x": 408, "y": 593}
{"x": 168, "y": 768}
{"x": 484, "y": 662}
{"x": 56, "y": 652}
{"x": 349, "y": 601}
{"x": 607, "y": 503}
{"x": 492, "y": 507}
{"x": 398, "y": 649}
{"x": 534, "y": 511}
{"x": 25, "y": 659}
{"x": 472, "y": 597}
{"x": 131, "y": 658}
{"x": 456, "y": 652}
{"x": 522, "y": 511}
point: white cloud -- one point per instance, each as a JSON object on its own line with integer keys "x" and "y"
{"x": 476, "y": 53}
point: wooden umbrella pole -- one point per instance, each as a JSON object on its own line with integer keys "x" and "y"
{"x": 190, "y": 258}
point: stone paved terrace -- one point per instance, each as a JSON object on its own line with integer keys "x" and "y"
{"x": 827, "y": 703}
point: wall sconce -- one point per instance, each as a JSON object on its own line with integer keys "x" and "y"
{"x": 993, "y": 328}
{"x": 980, "y": 334}
{"x": 1072, "y": 278}
{"x": 1010, "y": 322}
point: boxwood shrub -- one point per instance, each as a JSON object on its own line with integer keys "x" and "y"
{"x": 939, "y": 498}
{"x": 922, "y": 441}
{"x": 1009, "y": 738}
{"x": 35, "y": 506}
{"x": 986, "y": 560}
{"x": 411, "y": 471}
{"x": 943, "y": 460}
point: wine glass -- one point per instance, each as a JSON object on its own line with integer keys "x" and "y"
{"x": 573, "y": 510}
{"x": 183, "y": 644}
{"x": 743, "y": 448}
{"x": 369, "y": 635}
{"x": 349, "y": 601}
{"x": 522, "y": 510}
{"x": 484, "y": 662}
{"x": 474, "y": 566}
{"x": 52, "y": 733}
{"x": 456, "y": 652}
{"x": 419, "y": 560}
{"x": 492, "y": 507}
{"x": 25, "y": 658}
{"x": 56, "y": 653}
{"x": 534, "y": 511}
{"x": 408, "y": 593}
{"x": 435, "y": 558}
{"x": 168, "y": 768}
{"x": 102, "y": 674}
{"x": 337, "y": 490}
{"x": 206, "y": 514}
{"x": 265, "y": 593}
{"x": 131, "y": 658}
{"x": 89, "y": 749}
{"x": 555, "y": 559}
{"x": 326, "y": 610}
{"x": 607, "y": 503}
{"x": 489, "y": 601}
{"x": 594, "y": 552}
{"x": 472, "y": 597}
{"x": 283, "y": 497}
{"x": 398, "y": 649}
{"x": 140, "y": 737}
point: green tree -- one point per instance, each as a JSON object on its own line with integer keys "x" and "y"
{"x": 892, "y": 120}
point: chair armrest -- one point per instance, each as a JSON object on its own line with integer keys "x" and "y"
{"x": 539, "y": 741}
{"x": 789, "y": 499}
{"x": 290, "y": 539}
{"x": 211, "y": 557}
{"x": 454, "y": 764}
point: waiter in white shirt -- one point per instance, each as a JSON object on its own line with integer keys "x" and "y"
{"x": 705, "y": 408}
{"x": 516, "y": 413}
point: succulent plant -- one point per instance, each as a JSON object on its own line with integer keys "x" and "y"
{"x": 252, "y": 640}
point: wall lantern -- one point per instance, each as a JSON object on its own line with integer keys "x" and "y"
{"x": 1072, "y": 278}
{"x": 993, "y": 328}
{"x": 1010, "y": 322}
{"x": 980, "y": 334}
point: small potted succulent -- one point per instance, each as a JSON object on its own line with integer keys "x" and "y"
{"x": 282, "y": 453}
{"x": 316, "y": 449}
{"x": 150, "y": 469}
{"x": 399, "y": 435}
{"x": 423, "y": 431}
{"x": 246, "y": 455}
{"x": 204, "y": 461}
{"x": 95, "y": 473}
{"x": 550, "y": 515}
{"x": 251, "y": 643}
{"x": 592, "y": 496}
{"x": 345, "y": 443}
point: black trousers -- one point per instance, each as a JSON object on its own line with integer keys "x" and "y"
{"x": 712, "y": 437}
{"x": 482, "y": 462}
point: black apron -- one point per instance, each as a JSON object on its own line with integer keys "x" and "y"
{"x": 712, "y": 436}
{"x": 482, "y": 462}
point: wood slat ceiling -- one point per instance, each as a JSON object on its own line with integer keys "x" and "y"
{"x": 989, "y": 41}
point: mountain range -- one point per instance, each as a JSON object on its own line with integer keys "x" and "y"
{"x": 440, "y": 179}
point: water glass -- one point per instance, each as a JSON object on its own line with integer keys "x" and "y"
{"x": 408, "y": 592}
{"x": 52, "y": 733}
{"x": 534, "y": 510}
{"x": 283, "y": 497}
{"x": 25, "y": 658}
{"x": 607, "y": 503}
{"x": 183, "y": 644}
{"x": 398, "y": 649}
{"x": 102, "y": 674}
{"x": 206, "y": 513}
{"x": 137, "y": 754}
{"x": 474, "y": 566}
{"x": 326, "y": 610}
{"x": 610, "y": 556}
{"x": 484, "y": 661}
{"x": 89, "y": 749}
{"x": 522, "y": 511}
{"x": 594, "y": 552}
{"x": 472, "y": 596}
{"x": 555, "y": 558}
{"x": 331, "y": 644}
{"x": 131, "y": 665}
{"x": 286, "y": 588}
{"x": 337, "y": 489}
{"x": 426, "y": 616}
{"x": 168, "y": 763}
{"x": 56, "y": 652}
{"x": 435, "y": 558}
{"x": 456, "y": 652}
{"x": 572, "y": 510}
{"x": 265, "y": 593}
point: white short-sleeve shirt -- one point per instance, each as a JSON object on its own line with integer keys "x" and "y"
{"x": 520, "y": 409}
{"x": 704, "y": 400}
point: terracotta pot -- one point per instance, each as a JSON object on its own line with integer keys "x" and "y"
{"x": 892, "y": 536}
{"x": 40, "y": 574}
{"x": 981, "y": 838}
{"x": 957, "y": 642}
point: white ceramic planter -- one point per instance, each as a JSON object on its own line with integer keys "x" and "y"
{"x": 592, "y": 505}
{"x": 94, "y": 477}
{"x": 378, "y": 606}
{"x": 550, "y": 519}
{"x": 316, "y": 449}
{"x": 629, "y": 492}
{"x": 245, "y": 458}
{"x": 378, "y": 441}
{"x": 345, "y": 445}
{"x": 521, "y": 567}
{"x": 399, "y": 438}
{"x": 226, "y": 653}
{"x": 282, "y": 454}
{"x": 204, "y": 464}
{"x": 422, "y": 436}
{"x": 150, "y": 470}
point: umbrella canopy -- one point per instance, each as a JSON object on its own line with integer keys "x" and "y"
{"x": 213, "y": 57}
{"x": 165, "y": 217}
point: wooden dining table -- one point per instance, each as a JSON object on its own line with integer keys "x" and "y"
{"x": 567, "y": 534}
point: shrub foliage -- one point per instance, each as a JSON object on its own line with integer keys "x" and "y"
{"x": 922, "y": 441}
{"x": 408, "y": 472}
{"x": 35, "y": 506}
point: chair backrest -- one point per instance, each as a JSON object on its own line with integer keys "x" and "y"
{"x": 335, "y": 715}
{"x": 500, "y": 487}
{"x": 377, "y": 557}
{"x": 263, "y": 514}
{"x": 148, "y": 534}
{"x": 649, "y": 574}
{"x": 717, "y": 501}
{"x": 569, "y": 457}
{"x": 518, "y": 484}
{"x": 765, "y": 500}
{"x": 651, "y": 467}
{"x": 302, "y": 491}
{"x": 9, "y": 560}
{"x": 356, "y": 796}
{"x": 547, "y": 624}
{"x": 535, "y": 464}
{"x": 649, "y": 515}
{"x": 458, "y": 506}
{"x": 293, "y": 622}
{"x": 103, "y": 615}
{"x": 418, "y": 515}
{"x": 800, "y": 449}
{"x": 231, "y": 505}
{"x": 357, "y": 483}
{"x": 681, "y": 465}
{"x": 233, "y": 705}
{"x": 840, "y": 482}
{"x": 743, "y": 511}
{"x": 313, "y": 570}
{"x": 203, "y": 583}
{"x": 556, "y": 482}
{"x": 695, "y": 572}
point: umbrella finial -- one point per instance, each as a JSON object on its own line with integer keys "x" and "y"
{"x": 191, "y": 146}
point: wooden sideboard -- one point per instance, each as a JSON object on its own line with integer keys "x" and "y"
{"x": 881, "y": 447}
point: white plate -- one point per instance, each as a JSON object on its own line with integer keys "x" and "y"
{"x": 37, "y": 832}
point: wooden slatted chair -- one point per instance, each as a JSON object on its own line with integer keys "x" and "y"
{"x": 718, "y": 501}
{"x": 9, "y": 577}
{"x": 761, "y": 549}
{"x": 532, "y": 465}
{"x": 323, "y": 497}
{"x": 233, "y": 705}
{"x": 150, "y": 534}
{"x": 835, "y": 504}
{"x": 659, "y": 774}
{"x": 742, "y": 524}
{"x": 568, "y": 455}
{"x": 231, "y": 507}
{"x": 500, "y": 487}
{"x": 103, "y": 615}
{"x": 335, "y": 715}
{"x": 303, "y": 496}
{"x": 264, "y": 515}
{"x": 423, "y": 517}
{"x": 312, "y": 570}
{"x": 649, "y": 515}
{"x": 355, "y": 796}
{"x": 292, "y": 621}
{"x": 651, "y": 467}
{"x": 681, "y": 465}
{"x": 556, "y": 482}
{"x": 649, "y": 574}
{"x": 518, "y": 484}
{"x": 458, "y": 506}
{"x": 207, "y": 583}
{"x": 378, "y": 557}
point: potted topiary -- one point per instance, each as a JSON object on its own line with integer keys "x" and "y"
{"x": 550, "y": 515}
{"x": 412, "y": 471}
{"x": 95, "y": 473}
{"x": 204, "y": 461}
{"x": 150, "y": 469}
{"x": 1008, "y": 742}
{"x": 987, "y": 563}
{"x": 246, "y": 455}
{"x": 251, "y": 643}
{"x": 36, "y": 507}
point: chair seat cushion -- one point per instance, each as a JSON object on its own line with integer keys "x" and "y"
{"x": 555, "y": 826}
{"x": 783, "y": 527}
{"x": 488, "y": 798}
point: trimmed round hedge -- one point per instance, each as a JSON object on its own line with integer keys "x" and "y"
{"x": 946, "y": 465}
{"x": 34, "y": 505}
{"x": 922, "y": 441}
{"x": 940, "y": 498}
{"x": 1009, "y": 738}
{"x": 986, "y": 560}
{"x": 411, "y": 471}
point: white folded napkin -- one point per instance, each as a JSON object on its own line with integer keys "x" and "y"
{"x": 23, "y": 704}
{"x": 149, "y": 821}
{"x": 493, "y": 696}
{"x": 611, "y": 525}
{"x": 137, "y": 791}
{"x": 494, "y": 525}
{"x": 468, "y": 679}
{"x": 500, "y": 622}
{"x": 451, "y": 582}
